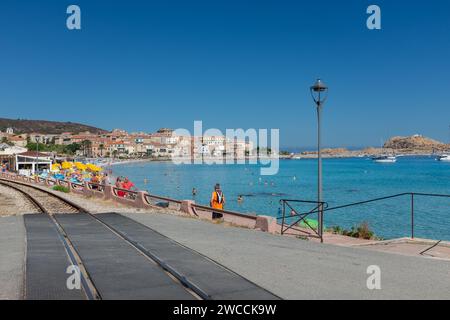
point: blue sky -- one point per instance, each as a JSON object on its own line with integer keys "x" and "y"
{"x": 141, "y": 65}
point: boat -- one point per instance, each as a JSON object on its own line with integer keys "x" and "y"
{"x": 444, "y": 157}
{"x": 385, "y": 159}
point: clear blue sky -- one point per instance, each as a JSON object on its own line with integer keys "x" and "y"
{"x": 141, "y": 65}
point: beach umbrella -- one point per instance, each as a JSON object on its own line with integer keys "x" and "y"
{"x": 93, "y": 167}
{"x": 56, "y": 167}
{"x": 67, "y": 165}
{"x": 80, "y": 166}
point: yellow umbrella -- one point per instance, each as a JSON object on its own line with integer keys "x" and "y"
{"x": 67, "y": 165}
{"x": 93, "y": 167}
{"x": 80, "y": 166}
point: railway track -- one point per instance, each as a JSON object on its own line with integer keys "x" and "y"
{"x": 44, "y": 201}
{"x": 58, "y": 208}
{"x": 49, "y": 203}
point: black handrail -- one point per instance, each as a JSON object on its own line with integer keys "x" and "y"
{"x": 320, "y": 209}
{"x": 411, "y": 194}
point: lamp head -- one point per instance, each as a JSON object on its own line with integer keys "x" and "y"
{"x": 319, "y": 92}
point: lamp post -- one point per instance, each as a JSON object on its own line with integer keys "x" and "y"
{"x": 37, "y": 138}
{"x": 319, "y": 93}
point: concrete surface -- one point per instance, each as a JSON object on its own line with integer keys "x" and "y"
{"x": 299, "y": 269}
{"x": 117, "y": 269}
{"x": 412, "y": 247}
{"x": 47, "y": 262}
{"x": 214, "y": 280}
{"x": 12, "y": 257}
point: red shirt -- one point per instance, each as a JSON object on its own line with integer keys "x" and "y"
{"x": 127, "y": 185}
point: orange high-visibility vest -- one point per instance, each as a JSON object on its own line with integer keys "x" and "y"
{"x": 217, "y": 200}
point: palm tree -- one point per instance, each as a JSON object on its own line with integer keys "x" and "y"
{"x": 86, "y": 145}
{"x": 101, "y": 147}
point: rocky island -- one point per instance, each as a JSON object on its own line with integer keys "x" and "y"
{"x": 412, "y": 145}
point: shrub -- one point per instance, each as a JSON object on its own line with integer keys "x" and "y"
{"x": 335, "y": 230}
{"x": 61, "y": 189}
{"x": 362, "y": 231}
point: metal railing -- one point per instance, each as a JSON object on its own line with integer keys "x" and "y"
{"x": 322, "y": 207}
{"x": 412, "y": 195}
{"x": 299, "y": 217}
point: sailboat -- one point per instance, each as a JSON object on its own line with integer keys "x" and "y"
{"x": 385, "y": 158}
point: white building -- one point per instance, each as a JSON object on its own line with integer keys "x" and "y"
{"x": 29, "y": 162}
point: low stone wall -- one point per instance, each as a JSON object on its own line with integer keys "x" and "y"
{"x": 142, "y": 199}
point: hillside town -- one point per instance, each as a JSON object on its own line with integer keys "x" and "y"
{"x": 116, "y": 144}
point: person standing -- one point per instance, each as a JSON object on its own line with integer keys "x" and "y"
{"x": 217, "y": 201}
{"x": 118, "y": 185}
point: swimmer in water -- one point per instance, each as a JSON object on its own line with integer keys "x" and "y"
{"x": 240, "y": 198}
{"x": 145, "y": 181}
{"x": 194, "y": 192}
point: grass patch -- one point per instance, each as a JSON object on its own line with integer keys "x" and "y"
{"x": 61, "y": 189}
{"x": 361, "y": 231}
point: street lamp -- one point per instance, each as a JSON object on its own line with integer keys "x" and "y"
{"x": 37, "y": 138}
{"x": 319, "y": 93}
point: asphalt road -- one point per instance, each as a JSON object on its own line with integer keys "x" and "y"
{"x": 298, "y": 269}
{"x": 290, "y": 268}
{"x": 12, "y": 256}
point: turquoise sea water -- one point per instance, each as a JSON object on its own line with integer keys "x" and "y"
{"x": 345, "y": 181}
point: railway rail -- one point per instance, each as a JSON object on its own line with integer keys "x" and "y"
{"x": 55, "y": 205}
{"x": 45, "y": 201}
{"x": 49, "y": 203}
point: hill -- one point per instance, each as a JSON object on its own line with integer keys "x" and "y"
{"x": 46, "y": 127}
{"x": 415, "y": 142}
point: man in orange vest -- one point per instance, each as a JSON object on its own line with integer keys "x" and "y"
{"x": 217, "y": 201}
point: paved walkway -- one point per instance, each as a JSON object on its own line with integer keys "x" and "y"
{"x": 412, "y": 247}
{"x": 299, "y": 269}
{"x": 290, "y": 268}
{"x": 12, "y": 256}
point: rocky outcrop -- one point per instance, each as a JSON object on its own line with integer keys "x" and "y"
{"x": 415, "y": 142}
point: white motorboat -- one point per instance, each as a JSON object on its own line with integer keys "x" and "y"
{"x": 444, "y": 157}
{"x": 385, "y": 159}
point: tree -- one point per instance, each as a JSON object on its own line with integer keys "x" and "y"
{"x": 33, "y": 146}
{"x": 72, "y": 148}
{"x": 86, "y": 146}
{"x": 5, "y": 140}
{"x": 101, "y": 147}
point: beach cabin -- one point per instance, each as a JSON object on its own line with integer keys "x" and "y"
{"x": 27, "y": 163}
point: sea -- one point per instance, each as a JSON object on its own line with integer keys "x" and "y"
{"x": 345, "y": 181}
